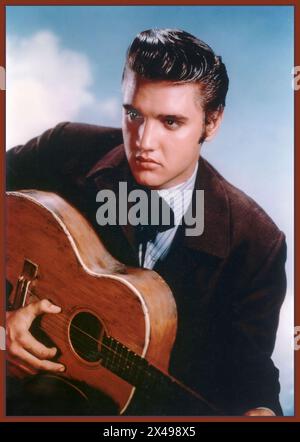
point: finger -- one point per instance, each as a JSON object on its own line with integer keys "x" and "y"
{"x": 259, "y": 412}
{"x": 18, "y": 368}
{"x": 38, "y": 364}
{"x": 37, "y": 308}
{"x": 36, "y": 348}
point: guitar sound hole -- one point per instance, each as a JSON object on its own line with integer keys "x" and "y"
{"x": 86, "y": 332}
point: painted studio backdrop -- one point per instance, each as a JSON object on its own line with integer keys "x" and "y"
{"x": 65, "y": 64}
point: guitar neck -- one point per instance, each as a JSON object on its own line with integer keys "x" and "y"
{"x": 128, "y": 365}
{"x": 147, "y": 378}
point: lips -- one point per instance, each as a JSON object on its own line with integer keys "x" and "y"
{"x": 147, "y": 160}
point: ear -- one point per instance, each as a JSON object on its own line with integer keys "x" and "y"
{"x": 213, "y": 122}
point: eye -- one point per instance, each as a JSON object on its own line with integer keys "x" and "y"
{"x": 171, "y": 123}
{"x": 132, "y": 114}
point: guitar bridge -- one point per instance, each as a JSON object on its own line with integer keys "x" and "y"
{"x": 28, "y": 275}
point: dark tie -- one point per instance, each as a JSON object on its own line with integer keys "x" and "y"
{"x": 148, "y": 232}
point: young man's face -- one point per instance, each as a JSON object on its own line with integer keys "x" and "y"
{"x": 162, "y": 125}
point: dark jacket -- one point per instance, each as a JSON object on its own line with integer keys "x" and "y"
{"x": 229, "y": 283}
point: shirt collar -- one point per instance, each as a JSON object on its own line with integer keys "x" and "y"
{"x": 179, "y": 197}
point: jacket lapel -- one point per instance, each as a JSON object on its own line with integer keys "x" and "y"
{"x": 216, "y": 235}
{"x": 107, "y": 173}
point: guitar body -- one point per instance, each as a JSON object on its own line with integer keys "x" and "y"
{"x": 53, "y": 253}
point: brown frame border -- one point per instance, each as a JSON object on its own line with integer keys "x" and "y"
{"x": 296, "y": 4}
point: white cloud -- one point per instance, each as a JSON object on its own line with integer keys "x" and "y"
{"x": 46, "y": 84}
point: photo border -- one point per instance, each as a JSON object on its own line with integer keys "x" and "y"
{"x": 125, "y": 419}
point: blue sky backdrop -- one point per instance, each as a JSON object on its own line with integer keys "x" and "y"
{"x": 65, "y": 63}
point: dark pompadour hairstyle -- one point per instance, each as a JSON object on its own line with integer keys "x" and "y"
{"x": 177, "y": 56}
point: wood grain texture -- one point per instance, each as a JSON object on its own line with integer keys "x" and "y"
{"x": 76, "y": 272}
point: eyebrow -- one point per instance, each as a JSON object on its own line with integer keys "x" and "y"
{"x": 174, "y": 117}
{"x": 161, "y": 116}
{"x": 128, "y": 107}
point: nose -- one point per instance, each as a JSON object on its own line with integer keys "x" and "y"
{"x": 147, "y": 136}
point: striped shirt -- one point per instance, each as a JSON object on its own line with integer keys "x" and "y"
{"x": 179, "y": 198}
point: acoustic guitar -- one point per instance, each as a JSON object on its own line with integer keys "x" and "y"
{"x": 117, "y": 325}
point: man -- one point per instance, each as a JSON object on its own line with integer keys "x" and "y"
{"x": 228, "y": 282}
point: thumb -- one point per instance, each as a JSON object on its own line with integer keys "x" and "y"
{"x": 43, "y": 306}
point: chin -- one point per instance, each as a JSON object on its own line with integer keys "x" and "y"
{"x": 145, "y": 179}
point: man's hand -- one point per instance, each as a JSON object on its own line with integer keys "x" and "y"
{"x": 23, "y": 349}
{"x": 260, "y": 412}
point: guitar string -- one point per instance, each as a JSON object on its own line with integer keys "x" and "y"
{"x": 60, "y": 322}
{"x": 116, "y": 356}
{"x": 149, "y": 380}
{"x": 62, "y": 319}
{"x": 116, "y": 359}
{"x": 164, "y": 378}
